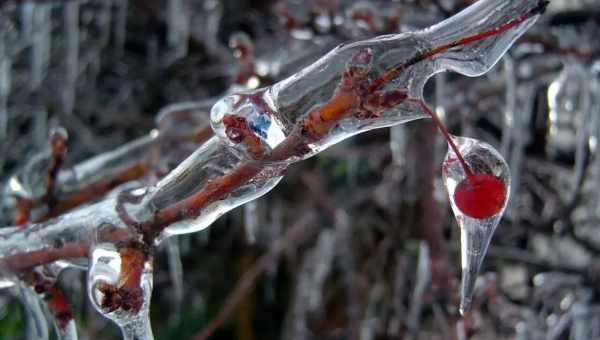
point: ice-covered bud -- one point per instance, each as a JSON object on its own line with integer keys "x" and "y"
{"x": 247, "y": 123}
{"x": 242, "y": 46}
{"x": 120, "y": 287}
{"x": 58, "y": 141}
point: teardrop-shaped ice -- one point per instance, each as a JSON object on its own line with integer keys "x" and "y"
{"x": 113, "y": 295}
{"x": 479, "y": 197}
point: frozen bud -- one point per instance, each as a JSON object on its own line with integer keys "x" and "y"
{"x": 242, "y": 46}
{"x": 58, "y": 140}
{"x": 247, "y": 123}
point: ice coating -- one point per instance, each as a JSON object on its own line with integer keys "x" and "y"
{"x": 362, "y": 86}
{"x": 356, "y": 87}
{"x": 105, "y": 290}
{"x": 212, "y": 161}
{"x": 475, "y": 233}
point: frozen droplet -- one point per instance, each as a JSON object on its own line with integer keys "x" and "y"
{"x": 479, "y": 195}
{"x": 115, "y": 298}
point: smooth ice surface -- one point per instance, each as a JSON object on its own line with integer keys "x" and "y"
{"x": 105, "y": 268}
{"x": 476, "y": 234}
{"x": 336, "y": 97}
{"x": 268, "y": 116}
{"x": 212, "y": 160}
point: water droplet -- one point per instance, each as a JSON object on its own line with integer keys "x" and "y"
{"x": 478, "y": 200}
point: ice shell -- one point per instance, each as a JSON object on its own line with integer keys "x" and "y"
{"x": 477, "y": 225}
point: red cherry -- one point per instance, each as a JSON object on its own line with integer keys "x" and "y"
{"x": 480, "y": 196}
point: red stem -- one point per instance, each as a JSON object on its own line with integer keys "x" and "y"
{"x": 447, "y": 135}
{"x": 395, "y": 71}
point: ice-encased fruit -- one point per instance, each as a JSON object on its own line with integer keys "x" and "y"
{"x": 478, "y": 197}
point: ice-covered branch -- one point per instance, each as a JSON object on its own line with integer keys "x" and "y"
{"x": 355, "y": 88}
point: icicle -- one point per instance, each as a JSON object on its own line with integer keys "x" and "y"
{"x": 40, "y": 48}
{"x": 398, "y": 144}
{"x": 369, "y": 327}
{"x": 205, "y": 27}
{"x": 564, "y": 103}
{"x": 586, "y": 319}
{"x": 5, "y": 78}
{"x": 510, "y": 79}
{"x": 520, "y": 133}
{"x": 176, "y": 274}
{"x": 323, "y": 256}
{"x": 103, "y": 17}
{"x": 569, "y": 100}
{"x": 423, "y": 279}
{"x": 117, "y": 299}
{"x": 67, "y": 333}
{"x": 178, "y": 29}
{"x": 441, "y": 95}
{"x": 120, "y": 28}
{"x": 399, "y": 292}
{"x": 583, "y": 134}
{"x": 346, "y": 257}
{"x": 272, "y": 233}
{"x": 308, "y": 292}
{"x": 36, "y": 321}
{"x": 27, "y": 26}
{"x": 595, "y": 137}
{"x": 461, "y": 333}
{"x": 478, "y": 200}
{"x": 40, "y": 129}
{"x": 71, "y": 62}
{"x": 296, "y": 324}
{"x": 251, "y": 221}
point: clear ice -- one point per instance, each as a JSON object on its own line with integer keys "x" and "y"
{"x": 105, "y": 269}
{"x": 356, "y": 87}
{"x": 475, "y": 233}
